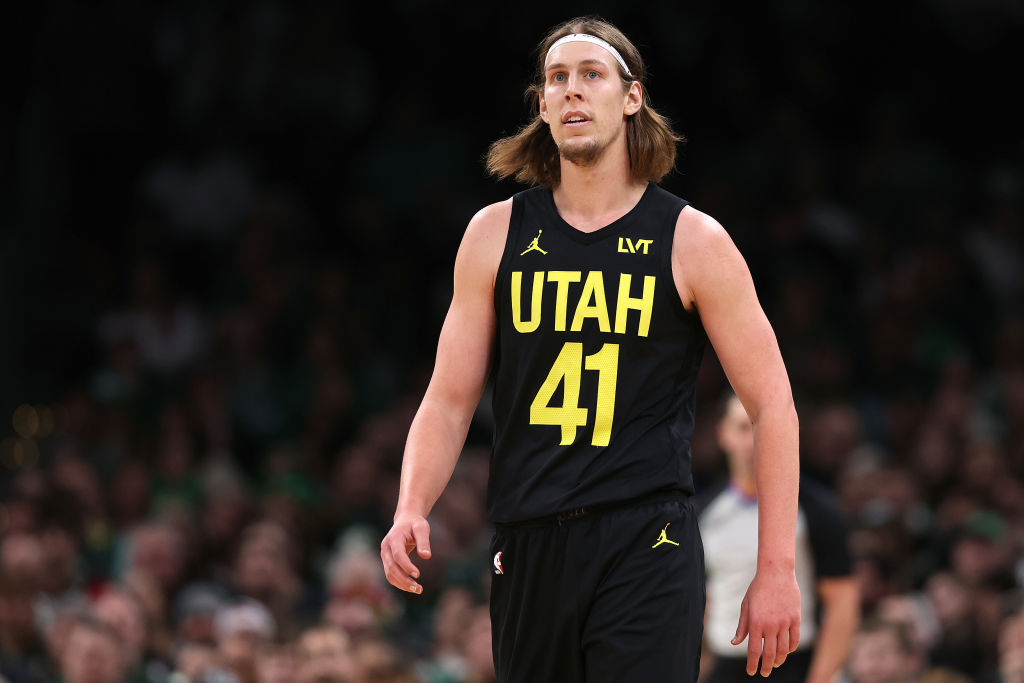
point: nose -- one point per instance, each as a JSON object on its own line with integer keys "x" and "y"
{"x": 572, "y": 88}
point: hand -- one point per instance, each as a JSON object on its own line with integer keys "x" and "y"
{"x": 408, "y": 532}
{"x": 770, "y": 611}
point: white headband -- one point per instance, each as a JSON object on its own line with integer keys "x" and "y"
{"x": 587, "y": 38}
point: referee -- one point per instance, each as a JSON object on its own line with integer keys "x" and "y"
{"x": 728, "y": 523}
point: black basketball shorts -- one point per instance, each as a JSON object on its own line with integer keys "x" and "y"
{"x": 601, "y": 595}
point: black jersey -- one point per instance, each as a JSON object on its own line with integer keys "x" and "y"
{"x": 596, "y": 361}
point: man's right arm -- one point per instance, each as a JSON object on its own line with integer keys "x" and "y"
{"x": 438, "y": 432}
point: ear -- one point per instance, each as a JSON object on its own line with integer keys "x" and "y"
{"x": 543, "y": 108}
{"x": 634, "y": 98}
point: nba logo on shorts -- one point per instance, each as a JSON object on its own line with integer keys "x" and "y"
{"x": 497, "y": 563}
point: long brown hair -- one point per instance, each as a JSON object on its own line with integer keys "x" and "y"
{"x": 531, "y": 154}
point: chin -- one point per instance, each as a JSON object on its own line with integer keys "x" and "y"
{"x": 581, "y": 151}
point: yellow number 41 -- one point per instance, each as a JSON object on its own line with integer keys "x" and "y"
{"x": 569, "y": 416}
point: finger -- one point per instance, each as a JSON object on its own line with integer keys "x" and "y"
{"x": 421, "y": 534}
{"x": 783, "y": 648}
{"x": 389, "y": 569}
{"x": 393, "y": 574}
{"x": 742, "y": 625}
{"x": 403, "y": 582}
{"x": 400, "y": 570}
{"x": 754, "y": 645}
{"x": 794, "y": 636}
{"x": 768, "y": 658}
{"x": 402, "y": 559}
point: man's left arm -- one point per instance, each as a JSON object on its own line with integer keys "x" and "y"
{"x": 712, "y": 277}
{"x": 836, "y": 587}
{"x": 840, "y": 606}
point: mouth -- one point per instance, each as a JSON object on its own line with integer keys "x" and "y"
{"x": 575, "y": 120}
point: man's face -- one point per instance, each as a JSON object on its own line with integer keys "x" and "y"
{"x": 125, "y": 616}
{"x": 736, "y": 438}
{"x": 324, "y": 654}
{"x": 581, "y": 81}
{"x": 876, "y": 658}
{"x": 91, "y": 657}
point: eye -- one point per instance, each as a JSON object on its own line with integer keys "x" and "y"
{"x": 558, "y": 77}
{"x": 593, "y": 74}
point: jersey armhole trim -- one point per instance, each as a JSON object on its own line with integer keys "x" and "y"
{"x": 511, "y": 238}
{"x": 666, "y": 262}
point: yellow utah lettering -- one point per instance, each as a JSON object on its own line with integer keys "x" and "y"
{"x": 593, "y": 291}
{"x": 644, "y": 304}
{"x": 538, "y": 291}
{"x": 562, "y": 278}
{"x": 592, "y": 301}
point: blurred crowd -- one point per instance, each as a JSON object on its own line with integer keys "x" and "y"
{"x": 233, "y": 272}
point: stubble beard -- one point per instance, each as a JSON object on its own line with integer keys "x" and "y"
{"x": 581, "y": 153}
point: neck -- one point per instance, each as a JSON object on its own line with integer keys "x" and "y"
{"x": 589, "y": 194}
{"x": 745, "y": 484}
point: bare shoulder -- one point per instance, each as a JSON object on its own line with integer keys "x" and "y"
{"x": 484, "y": 241}
{"x": 701, "y": 249}
{"x": 490, "y": 223}
{"x": 698, "y": 233}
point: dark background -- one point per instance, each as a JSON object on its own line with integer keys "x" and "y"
{"x": 346, "y": 111}
{"x": 227, "y": 233}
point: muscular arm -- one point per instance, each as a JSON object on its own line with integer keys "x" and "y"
{"x": 438, "y": 432}
{"x": 714, "y": 280}
{"x": 840, "y": 603}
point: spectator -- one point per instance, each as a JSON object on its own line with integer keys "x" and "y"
{"x": 244, "y": 631}
{"x": 118, "y": 609}
{"x": 324, "y": 653}
{"x": 22, "y": 654}
{"x": 92, "y": 654}
{"x": 883, "y": 652}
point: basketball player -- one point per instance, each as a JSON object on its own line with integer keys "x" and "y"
{"x": 590, "y": 297}
{"x": 728, "y": 524}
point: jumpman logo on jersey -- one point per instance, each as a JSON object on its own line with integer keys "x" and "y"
{"x": 534, "y": 246}
{"x": 663, "y": 538}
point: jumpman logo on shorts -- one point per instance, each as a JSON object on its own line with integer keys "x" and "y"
{"x": 534, "y": 246}
{"x": 663, "y": 538}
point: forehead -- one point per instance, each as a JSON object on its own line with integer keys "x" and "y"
{"x": 735, "y": 411}
{"x": 883, "y": 639}
{"x": 84, "y": 636}
{"x": 572, "y": 53}
{"x": 321, "y": 640}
